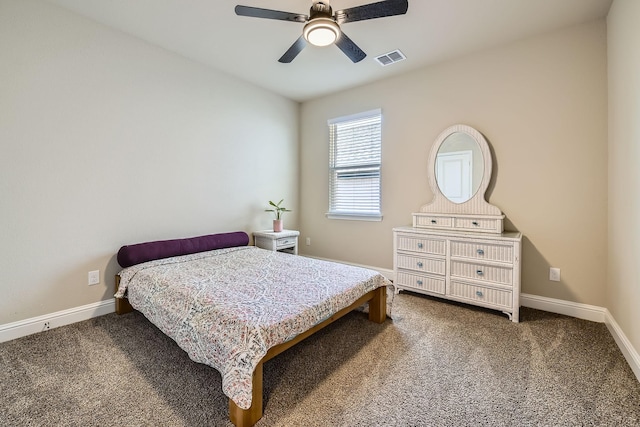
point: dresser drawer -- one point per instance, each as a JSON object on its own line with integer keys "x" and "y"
{"x": 421, "y": 282}
{"x": 433, "y": 221}
{"x": 422, "y": 264}
{"x": 482, "y": 251}
{"x": 479, "y": 224}
{"x": 486, "y": 273}
{"x": 422, "y": 245}
{"x": 480, "y": 294}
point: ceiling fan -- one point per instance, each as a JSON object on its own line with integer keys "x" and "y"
{"x": 322, "y": 26}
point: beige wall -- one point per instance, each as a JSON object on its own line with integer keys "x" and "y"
{"x": 623, "y": 289}
{"x": 106, "y": 140}
{"x": 542, "y": 105}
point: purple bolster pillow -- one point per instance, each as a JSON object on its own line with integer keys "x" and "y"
{"x": 142, "y": 252}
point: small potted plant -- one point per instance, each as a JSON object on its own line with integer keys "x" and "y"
{"x": 278, "y": 210}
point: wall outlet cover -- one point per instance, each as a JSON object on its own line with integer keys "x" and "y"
{"x": 94, "y": 277}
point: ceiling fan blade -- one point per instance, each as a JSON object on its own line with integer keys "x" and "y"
{"x": 372, "y": 11}
{"x": 256, "y": 12}
{"x": 349, "y": 48}
{"x": 293, "y": 51}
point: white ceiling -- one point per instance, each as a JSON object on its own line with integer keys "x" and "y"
{"x": 209, "y": 32}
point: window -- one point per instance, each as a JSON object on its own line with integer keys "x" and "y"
{"x": 355, "y": 146}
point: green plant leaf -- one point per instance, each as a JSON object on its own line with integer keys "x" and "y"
{"x": 277, "y": 209}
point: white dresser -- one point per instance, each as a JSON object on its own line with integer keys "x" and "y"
{"x": 456, "y": 248}
{"x": 474, "y": 268}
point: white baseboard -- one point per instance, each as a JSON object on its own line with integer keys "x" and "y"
{"x": 630, "y": 353}
{"x": 568, "y": 308}
{"x": 22, "y": 328}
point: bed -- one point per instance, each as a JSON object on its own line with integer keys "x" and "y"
{"x": 233, "y": 306}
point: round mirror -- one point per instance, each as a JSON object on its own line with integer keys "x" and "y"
{"x": 459, "y": 167}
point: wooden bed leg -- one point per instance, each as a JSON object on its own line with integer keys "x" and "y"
{"x": 123, "y": 306}
{"x": 378, "y": 305}
{"x": 248, "y": 417}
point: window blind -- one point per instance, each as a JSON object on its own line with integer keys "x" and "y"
{"x": 355, "y": 157}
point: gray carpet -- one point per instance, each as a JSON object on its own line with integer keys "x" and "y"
{"x": 435, "y": 364}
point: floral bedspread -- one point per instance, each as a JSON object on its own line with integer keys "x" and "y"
{"x": 227, "y": 307}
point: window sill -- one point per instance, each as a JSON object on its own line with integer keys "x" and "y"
{"x": 354, "y": 216}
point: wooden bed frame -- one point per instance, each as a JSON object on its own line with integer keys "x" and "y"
{"x": 247, "y": 417}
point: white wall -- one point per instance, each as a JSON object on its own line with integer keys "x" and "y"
{"x": 541, "y": 103}
{"x": 623, "y": 36}
{"x": 106, "y": 140}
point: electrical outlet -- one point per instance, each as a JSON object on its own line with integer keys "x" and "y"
{"x": 46, "y": 326}
{"x": 308, "y": 241}
{"x": 554, "y": 274}
{"x": 94, "y": 277}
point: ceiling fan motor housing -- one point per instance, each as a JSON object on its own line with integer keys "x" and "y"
{"x": 320, "y": 9}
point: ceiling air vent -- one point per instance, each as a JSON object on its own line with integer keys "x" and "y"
{"x": 391, "y": 58}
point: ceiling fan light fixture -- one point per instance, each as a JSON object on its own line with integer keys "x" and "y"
{"x": 321, "y": 31}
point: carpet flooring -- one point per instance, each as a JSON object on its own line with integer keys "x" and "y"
{"x": 436, "y": 363}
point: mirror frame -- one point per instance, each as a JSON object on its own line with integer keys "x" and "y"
{"x": 476, "y": 205}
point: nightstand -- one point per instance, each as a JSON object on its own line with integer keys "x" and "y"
{"x": 283, "y": 241}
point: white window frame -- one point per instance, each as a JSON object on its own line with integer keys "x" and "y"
{"x": 356, "y": 167}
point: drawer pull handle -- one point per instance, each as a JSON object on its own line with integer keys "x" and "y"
{"x": 480, "y": 252}
{"x": 420, "y": 245}
{"x": 420, "y": 264}
{"x": 475, "y": 223}
{"x": 479, "y": 272}
{"x": 479, "y": 293}
{"x": 419, "y": 282}
{"x": 433, "y": 221}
